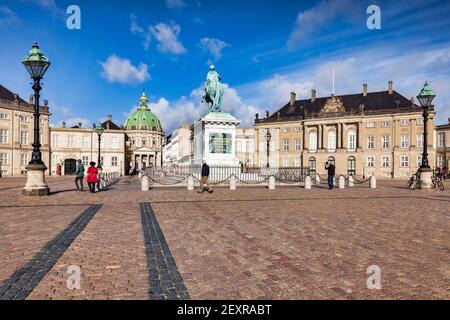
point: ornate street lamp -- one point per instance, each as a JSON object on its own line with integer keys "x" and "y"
{"x": 36, "y": 64}
{"x": 425, "y": 97}
{"x": 99, "y": 129}
{"x": 268, "y": 138}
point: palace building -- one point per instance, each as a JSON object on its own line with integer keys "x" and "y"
{"x": 372, "y": 133}
{"x": 443, "y": 145}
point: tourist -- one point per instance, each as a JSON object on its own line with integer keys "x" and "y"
{"x": 331, "y": 173}
{"x": 79, "y": 176}
{"x": 204, "y": 180}
{"x": 92, "y": 177}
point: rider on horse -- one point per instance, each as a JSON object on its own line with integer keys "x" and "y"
{"x": 213, "y": 91}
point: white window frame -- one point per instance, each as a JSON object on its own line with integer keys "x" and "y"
{"x": 371, "y": 162}
{"x": 351, "y": 143}
{"x": 386, "y": 142}
{"x": 313, "y": 141}
{"x": 385, "y": 161}
{"x": 371, "y": 142}
{"x": 332, "y": 139}
{"x": 4, "y": 136}
{"x": 404, "y": 141}
{"x": 4, "y": 159}
{"x": 420, "y": 139}
{"x": 404, "y": 161}
{"x": 24, "y": 138}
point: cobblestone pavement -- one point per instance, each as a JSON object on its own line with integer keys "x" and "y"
{"x": 251, "y": 243}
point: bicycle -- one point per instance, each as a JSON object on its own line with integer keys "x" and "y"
{"x": 413, "y": 182}
{"x": 437, "y": 183}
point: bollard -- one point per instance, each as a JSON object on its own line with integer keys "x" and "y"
{"x": 190, "y": 183}
{"x": 233, "y": 182}
{"x": 308, "y": 183}
{"x": 145, "y": 183}
{"x": 341, "y": 182}
{"x": 373, "y": 182}
{"x": 335, "y": 183}
{"x": 351, "y": 182}
{"x": 317, "y": 179}
{"x": 272, "y": 183}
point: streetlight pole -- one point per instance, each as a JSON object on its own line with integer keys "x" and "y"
{"x": 268, "y": 138}
{"x": 425, "y": 97}
{"x": 36, "y": 64}
{"x": 99, "y": 129}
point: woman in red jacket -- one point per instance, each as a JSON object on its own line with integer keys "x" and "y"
{"x": 92, "y": 177}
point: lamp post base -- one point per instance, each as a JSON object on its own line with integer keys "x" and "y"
{"x": 36, "y": 185}
{"x": 425, "y": 180}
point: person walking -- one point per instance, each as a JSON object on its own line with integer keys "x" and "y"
{"x": 204, "y": 180}
{"x": 79, "y": 176}
{"x": 331, "y": 173}
{"x": 92, "y": 177}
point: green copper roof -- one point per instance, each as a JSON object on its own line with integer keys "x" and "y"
{"x": 143, "y": 118}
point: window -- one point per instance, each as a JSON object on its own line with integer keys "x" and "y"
{"x": 312, "y": 165}
{"x": 313, "y": 141}
{"x": 419, "y": 161}
{"x": 102, "y": 142}
{"x": 54, "y": 160}
{"x": 114, "y": 162}
{"x": 298, "y": 129}
{"x": 286, "y": 145}
{"x": 420, "y": 140}
{"x": 144, "y": 142}
{"x": 85, "y": 160}
{"x": 3, "y": 158}
{"x": 385, "y": 161}
{"x": 441, "y": 140}
{"x": 370, "y": 142}
{"x": 3, "y": 136}
{"x": 385, "y": 142}
{"x": 4, "y": 116}
{"x": 286, "y": 130}
{"x": 55, "y": 140}
{"x": 331, "y": 141}
{"x": 352, "y": 140}
{"x": 262, "y": 146}
{"x": 86, "y": 142}
{"x": 298, "y": 145}
{"x": 250, "y": 147}
{"x": 351, "y": 166}
{"x": 102, "y": 160}
{"x": 115, "y": 142}
{"x": 238, "y": 146}
{"x": 385, "y": 124}
{"x": 297, "y": 163}
{"x": 272, "y": 146}
{"x": 71, "y": 141}
{"x": 286, "y": 163}
{"x": 332, "y": 160}
{"x": 24, "y": 137}
{"x": 419, "y": 121}
{"x": 24, "y": 119}
{"x": 370, "y": 124}
{"x": 404, "y": 161}
{"x": 371, "y": 162}
{"x": 440, "y": 161}
{"x": 404, "y": 123}
{"x": 24, "y": 159}
{"x": 404, "y": 141}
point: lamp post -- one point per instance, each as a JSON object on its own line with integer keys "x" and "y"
{"x": 99, "y": 129}
{"x": 268, "y": 138}
{"x": 36, "y": 64}
{"x": 425, "y": 97}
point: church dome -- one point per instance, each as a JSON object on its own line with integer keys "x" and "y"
{"x": 143, "y": 118}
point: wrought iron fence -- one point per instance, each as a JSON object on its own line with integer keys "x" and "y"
{"x": 172, "y": 175}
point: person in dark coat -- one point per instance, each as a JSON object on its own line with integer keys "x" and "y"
{"x": 331, "y": 173}
{"x": 204, "y": 180}
{"x": 79, "y": 176}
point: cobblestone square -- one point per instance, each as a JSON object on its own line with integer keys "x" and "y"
{"x": 251, "y": 243}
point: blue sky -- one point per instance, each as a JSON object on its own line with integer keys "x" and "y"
{"x": 262, "y": 49}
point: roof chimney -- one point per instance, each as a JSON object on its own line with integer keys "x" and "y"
{"x": 31, "y": 100}
{"x": 391, "y": 87}
{"x": 109, "y": 117}
{"x": 293, "y": 98}
{"x": 365, "y": 90}
{"x": 313, "y": 95}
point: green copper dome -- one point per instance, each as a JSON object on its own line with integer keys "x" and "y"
{"x": 143, "y": 118}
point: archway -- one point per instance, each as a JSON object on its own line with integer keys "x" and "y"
{"x": 70, "y": 167}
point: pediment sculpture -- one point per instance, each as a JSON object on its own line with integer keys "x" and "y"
{"x": 333, "y": 105}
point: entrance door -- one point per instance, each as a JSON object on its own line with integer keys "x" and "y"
{"x": 70, "y": 167}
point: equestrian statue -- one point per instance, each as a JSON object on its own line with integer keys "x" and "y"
{"x": 213, "y": 91}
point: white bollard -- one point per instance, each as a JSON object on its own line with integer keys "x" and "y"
{"x": 317, "y": 179}
{"x": 272, "y": 183}
{"x": 145, "y": 183}
{"x": 351, "y": 182}
{"x": 335, "y": 183}
{"x": 233, "y": 182}
{"x": 308, "y": 183}
{"x": 341, "y": 182}
{"x": 190, "y": 183}
{"x": 373, "y": 182}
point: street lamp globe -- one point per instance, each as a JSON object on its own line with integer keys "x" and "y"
{"x": 426, "y": 96}
{"x": 36, "y": 63}
{"x": 268, "y": 135}
{"x": 99, "y": 129}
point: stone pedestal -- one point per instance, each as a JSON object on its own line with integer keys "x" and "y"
{"x": 36, "y": 185}
{"x": 425, "y": 178}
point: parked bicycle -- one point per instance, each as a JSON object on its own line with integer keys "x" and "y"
{"x": 413, "y": 182}
{"x": 437, "y": 183}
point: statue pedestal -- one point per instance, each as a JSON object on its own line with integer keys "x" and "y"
{"x": 36, "y": 185}
{"x": 215, "y": 139}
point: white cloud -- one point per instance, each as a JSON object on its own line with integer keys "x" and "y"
{"x": 116, "y": 69}
{"x": 134, "y": 26}
{"x": 213, "y": 46}
{"x": 8, "y": 17}
{"x": 175, "y": 4}
{"x": 167, "y": 37}
{"x": 50, "y": 6}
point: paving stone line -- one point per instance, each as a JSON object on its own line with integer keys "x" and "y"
{"x": 26, "y": 279}
{"x": 165, "y": 281}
